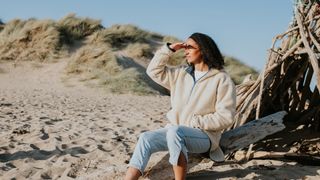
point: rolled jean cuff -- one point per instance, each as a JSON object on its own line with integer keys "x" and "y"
{"x": 136, "y": 167}
{"x": 174, "y": 160}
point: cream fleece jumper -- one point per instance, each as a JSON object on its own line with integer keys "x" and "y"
{"x": 208, "y": 103}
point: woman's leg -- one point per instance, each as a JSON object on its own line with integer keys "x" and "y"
{"x": 181, "y": 140}
{"x": 180, "y": 170}
{"x": 149, "y": 142}
{"x": 132, "y": 174}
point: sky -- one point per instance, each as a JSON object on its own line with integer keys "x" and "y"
{"x": 242, "y": 29}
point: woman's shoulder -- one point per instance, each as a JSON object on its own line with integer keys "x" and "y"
{"x": 222, "y": 75}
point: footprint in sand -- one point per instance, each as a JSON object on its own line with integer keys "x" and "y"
{"x": 44, "y": 134}
{"x": 100, "y": 147}
{"x": 46, "y": 175}
{"x": 58, "y": 138}
{"x": 64, "y": 146}
{"x": 51, "y": 121}
{"x": 34, "y": 147}
{"x": 79, "y": 167}
{"x": 7, "y": 166}
{"x": 6, "y": 148}
{"x": 22, "y": 130}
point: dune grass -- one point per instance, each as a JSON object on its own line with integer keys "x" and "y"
{"x": 171, "y": 39}
{"x": 139, "y": 50}
{"x": 74, "y": 28}
{"x": 47, "y": 40}
{"x": 91, "y": 58}
{"x": 37, "y": 40}
{"x": 119, "y": 36}
{"x": 238, "y": 70}
{"x": 128, "y": 81}
{"x": 98, "y": 62}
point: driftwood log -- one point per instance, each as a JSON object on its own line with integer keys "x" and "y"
{"x": 252, "y": 132}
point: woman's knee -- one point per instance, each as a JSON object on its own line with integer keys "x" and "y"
{"x": 175, "y": 132}
{"x": 145, "y": 137}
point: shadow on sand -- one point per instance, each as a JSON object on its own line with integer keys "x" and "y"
{"x": 38, "y": 154}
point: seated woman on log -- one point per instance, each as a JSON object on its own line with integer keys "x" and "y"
{"x": 203, "y": 101}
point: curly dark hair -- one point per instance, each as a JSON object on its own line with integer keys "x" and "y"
{"x": 209, "y": 50}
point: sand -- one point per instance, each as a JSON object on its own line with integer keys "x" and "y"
{"x": 57, "y": 128}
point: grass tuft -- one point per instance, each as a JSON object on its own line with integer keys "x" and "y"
{"x": 75, "y": 28}
{"x": 37, "y": 40}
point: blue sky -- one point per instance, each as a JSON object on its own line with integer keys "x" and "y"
{"x": 242, "y": 29}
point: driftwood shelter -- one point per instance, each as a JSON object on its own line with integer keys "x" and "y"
{"x": 283, "y": 102}
{"x": 287, "y": 88}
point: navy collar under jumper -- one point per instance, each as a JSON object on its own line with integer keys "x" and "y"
{"x": 190, "y": 70}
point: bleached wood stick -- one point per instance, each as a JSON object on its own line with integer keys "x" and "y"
{"x": 313, "y": 59}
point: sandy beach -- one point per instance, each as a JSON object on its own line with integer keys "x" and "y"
{"x": 58, "y": 128}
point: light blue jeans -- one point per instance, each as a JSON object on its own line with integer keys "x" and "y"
{"x": 174, "y": 139}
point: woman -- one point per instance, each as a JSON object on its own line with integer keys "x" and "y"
{"x": 203, "y": 101}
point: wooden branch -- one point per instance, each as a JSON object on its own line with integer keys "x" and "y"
{"x": 280, "y": 36}
{"x": 313, "y": 59}
{"x": 284, "y": 57}
{"x": 315, "y": 42}
{"x": 295, "y": 99}
{"x": 240, "y": 155}
{"x": 306, "y": 89}
{"x": 304, "y": 118}
{"x": 262, "y": 80}
{"x": 260, "y": 95}
{"x": 253, "y": 87}
{"x": 301, "y": 51}
{"x": 252, "y": 132}
{"x": 247, "y": 110}
{"x": 310, "y": 12}
{"x": 287, "y": 32}
{"x": 243, "y": 88}
{"x": 315, "y": 99}
{"x": 300, "y": 158}
{"x": 291, "y": 50}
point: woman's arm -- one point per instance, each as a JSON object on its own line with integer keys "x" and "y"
{"x": 158, "y": 70}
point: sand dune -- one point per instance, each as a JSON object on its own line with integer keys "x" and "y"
{"x": 53, "y": 128}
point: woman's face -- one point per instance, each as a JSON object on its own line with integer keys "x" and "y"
{"x": 192, "y": 52}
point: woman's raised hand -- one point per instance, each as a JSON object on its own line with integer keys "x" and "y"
{"x": 177, "y": 46}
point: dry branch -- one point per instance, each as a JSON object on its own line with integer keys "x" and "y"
{"x": 313, "y": 59}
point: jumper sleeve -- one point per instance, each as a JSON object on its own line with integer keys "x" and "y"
{"x": 158, "y": 70}
{"x": 225, "y": 106}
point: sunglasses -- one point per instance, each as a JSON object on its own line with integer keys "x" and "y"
{"x": 188, "y": 46}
